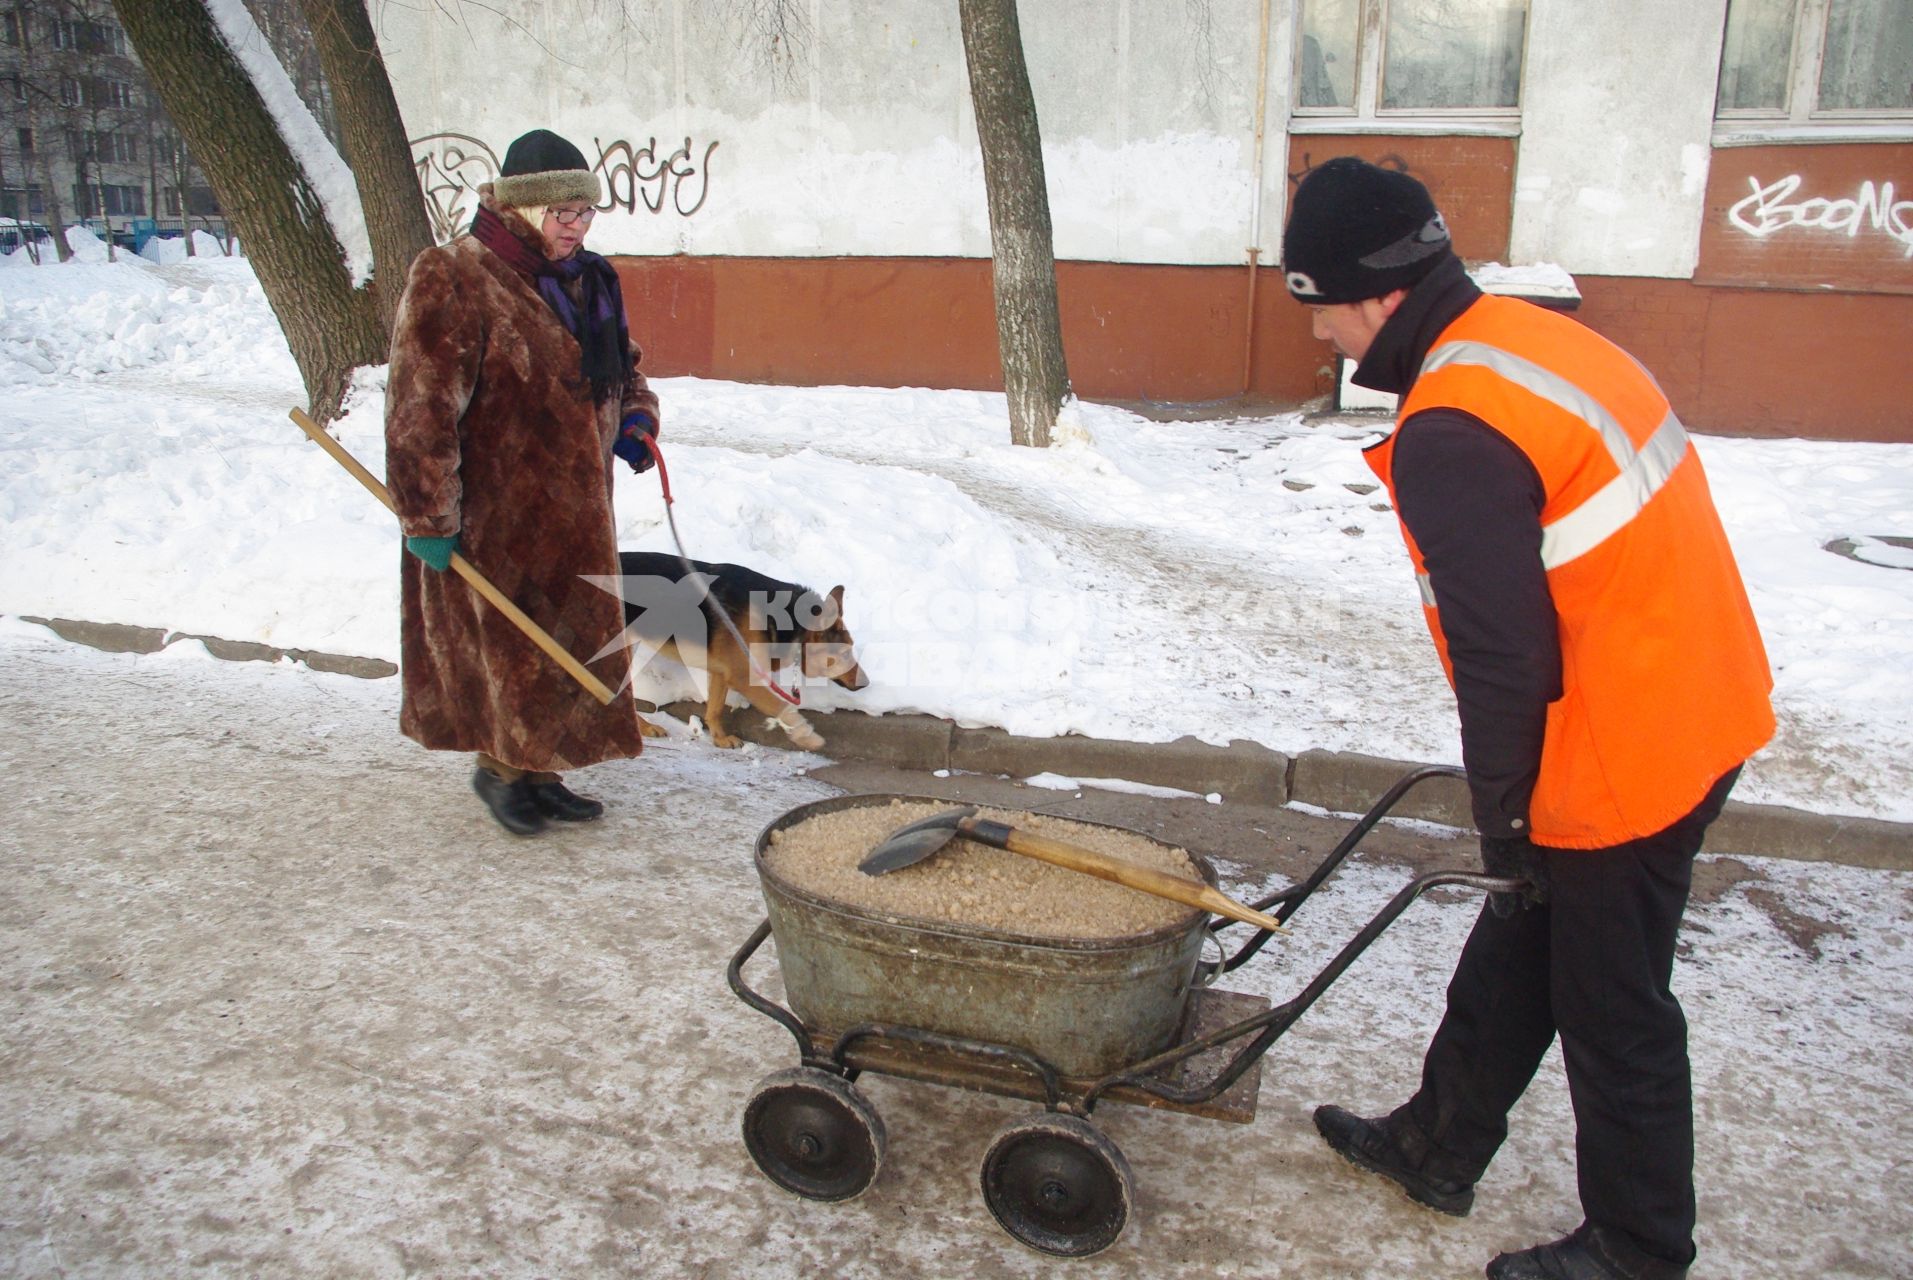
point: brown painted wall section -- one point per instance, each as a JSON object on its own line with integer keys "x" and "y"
{"x": 1471, "y": 179}
{"x": 1765, "y": 362}
{"x": 1744, "y": 361}
{"x": 1130, "y": 332}
{"x": 1827, "y": 216}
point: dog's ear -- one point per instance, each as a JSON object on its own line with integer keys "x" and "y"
{"x": 835, "y": 614}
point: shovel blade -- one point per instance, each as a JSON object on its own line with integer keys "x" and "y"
{"x": 909, "y": 845}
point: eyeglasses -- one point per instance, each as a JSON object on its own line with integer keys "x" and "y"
{"x": 565, "y": 217}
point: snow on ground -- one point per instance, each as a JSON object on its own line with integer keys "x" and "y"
{"x": 1141, "y": 580}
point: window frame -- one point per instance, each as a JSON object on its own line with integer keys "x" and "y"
{"x": 1802, "y": 116}
{"x": 1368, "y": 115}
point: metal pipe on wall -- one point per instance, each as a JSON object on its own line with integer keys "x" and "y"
{"x": 1255, "y": 196}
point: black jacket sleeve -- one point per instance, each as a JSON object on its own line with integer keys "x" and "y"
{"x": 1472, "y": 502}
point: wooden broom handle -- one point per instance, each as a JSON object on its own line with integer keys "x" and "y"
{"x": 461, "y": 566}
{"x": 1148, "y": 880}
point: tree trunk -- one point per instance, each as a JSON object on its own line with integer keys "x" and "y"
{"x": 372, "y": 136}
{"x": 1029, "y": 329}
{"x": 55, "y": 211}
{"x": 330, "y": 326}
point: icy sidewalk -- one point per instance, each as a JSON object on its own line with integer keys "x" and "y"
{"x": 284, "y": 1002}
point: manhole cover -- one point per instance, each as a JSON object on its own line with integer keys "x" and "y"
{"x": 1885, "y": 551}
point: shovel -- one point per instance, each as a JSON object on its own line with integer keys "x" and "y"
{"x": 911, "y": 844}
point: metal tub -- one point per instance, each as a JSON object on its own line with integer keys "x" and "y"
{"x": 1087, "y": 1006}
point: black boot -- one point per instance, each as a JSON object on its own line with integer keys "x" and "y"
{"x": 1392, "y": 1147}
{"x": 556, "y": 800}
{"x": 1589, "y": 1254}
{"x": 510, "y": 802}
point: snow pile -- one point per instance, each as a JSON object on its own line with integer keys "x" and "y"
{"x": 1536, "y": 280}
{"x": 1146, "y": 581}
{"x": 88, "y": 249}
{"x": 170, "y": 251}
{"x": 87, "y": 319}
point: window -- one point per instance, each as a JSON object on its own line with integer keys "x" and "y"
{"x": 1816, "y": 61}
{"x": 108, "y": 93}
{"x": 120, "y": 148}
{"x": 119, "y": 201}
{"x": 26, "y": 143}
{"x": 1374, "y": 58}
{"x": 86, "y": 37}
{"x": 10, "y": 29}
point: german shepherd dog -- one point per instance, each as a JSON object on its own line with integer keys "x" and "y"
{"x": 786, "y": 625}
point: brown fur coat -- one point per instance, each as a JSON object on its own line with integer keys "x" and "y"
{"x": 490, "y": 433}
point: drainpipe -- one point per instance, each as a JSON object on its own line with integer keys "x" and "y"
{"x": 1255, "y": 197}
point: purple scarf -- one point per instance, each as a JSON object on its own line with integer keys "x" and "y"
{"x": 596, "y": 320}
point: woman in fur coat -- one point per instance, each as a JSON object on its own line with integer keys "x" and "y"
{"x": 513, "y": 382}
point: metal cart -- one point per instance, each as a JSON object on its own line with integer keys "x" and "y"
{"x": 1053, "y": 1180}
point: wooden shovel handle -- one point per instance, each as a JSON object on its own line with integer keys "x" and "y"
{"x": 461, "y": 566}
{"x": 1148, "y": 880}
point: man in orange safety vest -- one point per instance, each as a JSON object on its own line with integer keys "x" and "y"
{"x": 1610, "y": 680}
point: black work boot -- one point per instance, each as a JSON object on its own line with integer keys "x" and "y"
{"x": 1589, "y": 1254}
{"x": 510, "y": 802}
{"x": 1393, "y": 1148}
{"x": 556, "y": 800}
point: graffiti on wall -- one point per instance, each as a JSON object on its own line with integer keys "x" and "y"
{"x": 1771, "y": 207}
{"x": 452, "y": 165}
{"x": 631, "y": 175}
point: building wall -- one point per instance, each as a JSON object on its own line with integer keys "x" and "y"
{"x": 852, "y": 133}
{"x": 811, "y": 209}
{"x": 1616, "y": 113}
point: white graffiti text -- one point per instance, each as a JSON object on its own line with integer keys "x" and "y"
{"x": 1772, "y": 208}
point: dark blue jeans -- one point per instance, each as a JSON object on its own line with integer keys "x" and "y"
{"x": 1593, "y": 966}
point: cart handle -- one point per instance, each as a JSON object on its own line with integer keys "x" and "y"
{"x": 1294, "y": 896}
{"x": 1271, "y": 1023}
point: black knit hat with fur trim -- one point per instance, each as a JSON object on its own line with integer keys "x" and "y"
{"x": 542, "y": 168}
{"x": 1357, "y": 231}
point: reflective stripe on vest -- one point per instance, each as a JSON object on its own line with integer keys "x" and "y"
{"x": 1602, "y": 514}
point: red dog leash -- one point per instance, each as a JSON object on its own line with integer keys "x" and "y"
{"x": 794, "y": 698}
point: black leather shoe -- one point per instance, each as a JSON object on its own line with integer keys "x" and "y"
{"x": 556, "y": 800}
{"x": 1373, "y": 1145}
{"x": 1589, "y": 1254}
{"x": 510, "y": 802}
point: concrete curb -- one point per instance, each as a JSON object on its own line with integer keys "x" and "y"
{"x": 120, "y": 637}
{"x": 1338, "y": 781}
{"x": 1242, "y": 771}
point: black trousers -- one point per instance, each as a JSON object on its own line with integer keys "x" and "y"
{"x": 1593, "y": 965}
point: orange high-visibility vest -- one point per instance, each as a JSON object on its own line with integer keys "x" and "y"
{"x": 1664, "y": 679}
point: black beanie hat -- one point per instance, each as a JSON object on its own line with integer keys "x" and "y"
{"x": 542, "y": 168}
{"x": 1357, "y": 231}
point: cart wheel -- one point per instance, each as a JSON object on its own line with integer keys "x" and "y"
{"x": 814, "y": 1133}
{"x": 1058, "y": 1184}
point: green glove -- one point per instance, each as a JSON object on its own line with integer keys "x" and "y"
{"x": 435, "y": 552}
